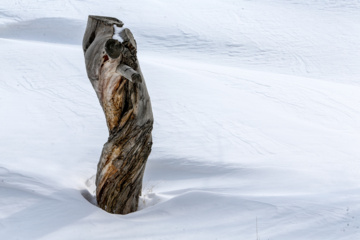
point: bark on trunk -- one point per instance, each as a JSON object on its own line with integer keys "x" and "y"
{"x": 115, "y": 74}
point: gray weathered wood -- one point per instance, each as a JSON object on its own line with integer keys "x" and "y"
{"x": 115, "y": 74}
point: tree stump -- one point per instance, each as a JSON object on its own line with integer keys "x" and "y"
{"x": 114, "y": 72}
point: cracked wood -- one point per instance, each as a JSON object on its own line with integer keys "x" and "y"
{"x": 115, "y": 74}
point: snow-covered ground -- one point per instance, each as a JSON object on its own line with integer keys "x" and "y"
{"x": 257, "y": 120}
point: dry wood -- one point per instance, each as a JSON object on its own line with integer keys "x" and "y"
{"x": 115, "y": 74}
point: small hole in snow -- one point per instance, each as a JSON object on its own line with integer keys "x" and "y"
{"x": 89, "y": 197}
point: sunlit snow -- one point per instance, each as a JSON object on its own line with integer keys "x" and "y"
{"x": 257, "y": 120}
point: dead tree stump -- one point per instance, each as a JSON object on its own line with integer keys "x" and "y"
{"x": 114, "y": 72}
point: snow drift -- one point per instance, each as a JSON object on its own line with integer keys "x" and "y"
{"x": 256, "y": 133}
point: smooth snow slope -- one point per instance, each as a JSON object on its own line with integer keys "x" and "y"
{"x": 257, "y": 120}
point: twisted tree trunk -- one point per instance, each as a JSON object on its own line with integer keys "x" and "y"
{"x": 115, "y": 74}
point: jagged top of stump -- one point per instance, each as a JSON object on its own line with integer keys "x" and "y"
{"x": 108, "y": 20}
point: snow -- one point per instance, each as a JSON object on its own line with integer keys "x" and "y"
{"x": 257, "y": 120}
{"x": 117, "y": 35}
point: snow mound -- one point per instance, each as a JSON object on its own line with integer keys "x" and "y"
{"x": 256, "y": 132}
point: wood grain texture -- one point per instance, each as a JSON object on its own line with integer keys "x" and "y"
{"x": 115, "y": 74}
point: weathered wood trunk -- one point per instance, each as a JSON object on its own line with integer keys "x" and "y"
{"x": 115, "y": 74}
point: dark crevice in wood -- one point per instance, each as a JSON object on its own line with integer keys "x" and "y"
{"x": 91, "y": 39}
{"x": 105, "y": 59}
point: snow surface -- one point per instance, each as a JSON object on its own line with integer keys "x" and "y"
{"x": 257, "y": 120}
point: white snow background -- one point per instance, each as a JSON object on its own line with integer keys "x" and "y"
{"x": 257, "y": 120}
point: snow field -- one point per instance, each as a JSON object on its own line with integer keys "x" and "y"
{"x": 256, "y": 121}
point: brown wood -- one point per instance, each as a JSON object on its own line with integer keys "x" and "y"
{"x": 115, "y": 74}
